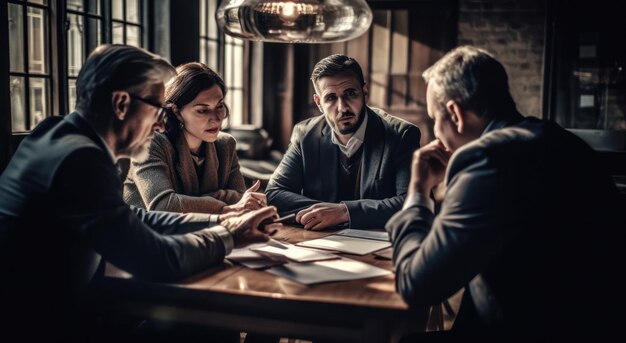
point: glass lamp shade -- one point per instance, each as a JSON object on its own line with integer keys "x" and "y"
{"x": 294, "y": 21}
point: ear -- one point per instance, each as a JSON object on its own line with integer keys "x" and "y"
{"x": 456, "y": 114}
{"x": 176, "y": 111}
{"x": 366, "y": 93}
{"x": 316, "y": 98}
{"x": 120, "y": 103}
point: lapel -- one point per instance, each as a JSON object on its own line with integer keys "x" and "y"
{"x": 185, "y": 167}
{"x": 328, "y": 158}
{"x": 373, "y": 148}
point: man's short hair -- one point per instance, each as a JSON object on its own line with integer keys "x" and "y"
{"x": 474, "y": 79}
{"x": 112, "y": 67}
{"x": 335, "y": 65}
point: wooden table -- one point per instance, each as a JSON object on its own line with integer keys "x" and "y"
{"x": 234, "y": 297}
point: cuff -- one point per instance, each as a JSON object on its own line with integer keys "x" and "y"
{"x": 226, "y": 237}
{"x": 214, "y": 220}
{"x": 419, "y": 199}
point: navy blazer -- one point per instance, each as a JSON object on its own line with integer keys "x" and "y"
{"x": 528, "y": 223}
{"x": 61, "y": 210}
{"x": 309, "y": 170}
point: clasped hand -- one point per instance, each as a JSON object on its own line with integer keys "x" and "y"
{"x": 428, "y": 167}
{"x": 322, "y": 215}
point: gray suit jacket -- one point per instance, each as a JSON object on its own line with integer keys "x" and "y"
{"x": 61, "y": 211}
{"x": 528, "y": 224}
{"x": 308, "y": 172}
{"x": 168, "y": 180}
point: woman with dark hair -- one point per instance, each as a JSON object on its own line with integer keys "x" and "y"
{"x": 192, "y": 167}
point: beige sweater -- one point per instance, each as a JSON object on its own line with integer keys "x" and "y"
{"x": 167, "y": 180}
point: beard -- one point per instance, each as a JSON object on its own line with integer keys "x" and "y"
{"x": 353, "y": 128}
{"x": 142, "y": 152}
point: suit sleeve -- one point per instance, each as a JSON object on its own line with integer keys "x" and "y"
{"x": 436, "y": 256}
{"x": 284, "y": 189}
{"x": 98, "y": 214}
{"x": 153, "y": 179}
{"x": 374, "y": 213}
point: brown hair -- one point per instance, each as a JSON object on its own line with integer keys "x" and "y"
{"x": 192, "y": 78}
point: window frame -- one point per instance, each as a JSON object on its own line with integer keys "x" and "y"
{"x": 248, "y": 88}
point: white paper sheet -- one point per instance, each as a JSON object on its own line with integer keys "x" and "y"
{"x": 293, "y": 252}
{"x": 376, "y": 235}
{"x": 351, "y": 245}
{"x": 326, "y": 271}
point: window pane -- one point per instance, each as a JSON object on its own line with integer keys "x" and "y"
{"x": 76, "y": 5}
{"x": 43, "y": 2}
{"x": 74, "y": 44}
{"x": 203, "y": 18}
{"x": 38, "y": 100}
{"x": 93, "y": 6}
{"x": 16, "y": 43}
{"x": 132, "y": 11}
{"x": 228, "y": 65}
{"x": 37, "y": 40}
{"x": 71, "y": 94}
{"x": 118, "y": 33}
{"x": 236, "y": 106}
{"x": 212, "y": 58}
{"x": 237, "y": 67}
{"x": 203, "y": 55}
{"x": 211, "y": 19}
{"x": 95, "y": 37}
{"x": 117, "y": 9}
{"x": 18, "y": 103}
{"x": 133, "y": 35}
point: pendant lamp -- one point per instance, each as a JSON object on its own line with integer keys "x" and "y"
{"x": 294, "y": 21}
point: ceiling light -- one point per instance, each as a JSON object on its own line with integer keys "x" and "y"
{"x": 294, "y": 21}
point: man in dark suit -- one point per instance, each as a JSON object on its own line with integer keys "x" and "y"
{"x": 528, "y": 224}
{"x": 349, "y": 166}
{"x": 62, "y": 212}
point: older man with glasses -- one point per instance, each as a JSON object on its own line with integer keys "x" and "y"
{"x": 62, "y": 212}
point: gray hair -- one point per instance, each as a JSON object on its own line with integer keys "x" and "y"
{"x": 474, "y": 79}
{"x": 112, "y": 67}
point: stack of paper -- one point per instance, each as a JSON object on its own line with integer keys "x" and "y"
{"x": 348, "y": 244}
{"x": 293, "y": 252}
{"x": 342, "y": 269}
{"x": 252, "y": 259}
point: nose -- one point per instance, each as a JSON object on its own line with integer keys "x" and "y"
{"x": 342, "y": 105}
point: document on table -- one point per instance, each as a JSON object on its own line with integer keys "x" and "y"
{"x": 351, "y": 245}
{"x": 377, "y": 235}
{"x": 254, "y": 260}
{"x": 342, "y": 269}
{"x": 293, "y": 252}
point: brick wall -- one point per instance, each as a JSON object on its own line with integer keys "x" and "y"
{"x": 514, "y": 32}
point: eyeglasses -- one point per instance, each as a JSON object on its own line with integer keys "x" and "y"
{"x": 160, "y": 114}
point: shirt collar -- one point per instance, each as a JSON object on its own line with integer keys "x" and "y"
{"x": 355, "y": 142}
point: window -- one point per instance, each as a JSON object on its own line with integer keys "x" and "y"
{"x": 29, "y": 63}
{"x": 239, "y": 62}
{"x": 42, "y": 77}
{"x": 81, "y": 39}
{"x": 125, "y": 19}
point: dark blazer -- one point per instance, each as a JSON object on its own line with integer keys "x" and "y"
{"x": 308, "y": 172}
{"x": 528, "y": 224}
{"x": 61, "y": 212}
{"x": 168, "y": 181}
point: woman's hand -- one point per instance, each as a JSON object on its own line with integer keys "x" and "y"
{"x": 251, "y": 200}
